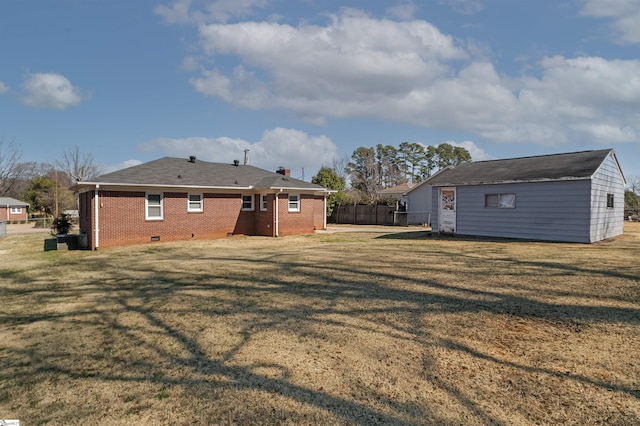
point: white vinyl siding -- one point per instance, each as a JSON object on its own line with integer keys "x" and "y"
{"x": 607, "y": 221}
{"x": 154, "y": 206}
{"x": 552, "y": 211}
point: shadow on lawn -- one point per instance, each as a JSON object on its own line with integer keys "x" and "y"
{"x": 325, "y": 287}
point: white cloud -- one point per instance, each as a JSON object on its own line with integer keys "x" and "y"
{"x": 347, "y": 68}
{"x": 623, "y": 14}
{"x": 360, "y": 66}
{"x": 50, "y": 90}
{"x": 289, "y": 148}
{"x": 3, "y": 88}
{"x": 477, "y": 153}
{"x": 199, "y": 11}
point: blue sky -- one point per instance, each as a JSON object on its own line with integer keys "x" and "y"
{"x": 301, "y": 83}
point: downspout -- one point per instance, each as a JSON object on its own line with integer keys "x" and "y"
{"x": 97, "y": 220}
{"x": 277, "y": 216}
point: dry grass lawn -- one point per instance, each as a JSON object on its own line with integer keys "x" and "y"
{"x": 353, "y": 328}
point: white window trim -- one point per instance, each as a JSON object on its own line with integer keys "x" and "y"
{"x": 253, "y": 201}
{"x": 199, "y": 209}
{"x": 289, "y": 203}
{"x": 263, "y": 202}
{"x": 16, "y": 210}
{"x": 146, "y": 206}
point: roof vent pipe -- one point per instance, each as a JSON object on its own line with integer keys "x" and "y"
{"x": 236, "y": 163}
{"x": 192, "y": 159}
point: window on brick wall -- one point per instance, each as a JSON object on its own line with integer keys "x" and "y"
{"x": 195, "y": 203}
{"x": 263, "y": 202}
{"x": 294, "y": 203}
{"x": 247, "y": 202}
{"x": 154, "y": 206}
{"x": 16, "y": 210}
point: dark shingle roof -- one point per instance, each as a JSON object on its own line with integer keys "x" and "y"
{"x": 180, "y": 172}
{"x": 574, "y": 165}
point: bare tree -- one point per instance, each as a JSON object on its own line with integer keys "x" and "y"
{"x": 77, "y": 165}
{"x": 9, "y": 167}
{"x": 633, "y": 184}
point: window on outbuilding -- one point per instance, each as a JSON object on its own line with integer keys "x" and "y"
{"x": 610, "y": 200}
{"x": 247, "y": 202}
{"x": 500, "y": 201}
{"x": 154, "y": 206}
{"x": 16, "y": 210}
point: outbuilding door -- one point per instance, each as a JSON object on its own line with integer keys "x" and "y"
{"x": 447, "y": 221}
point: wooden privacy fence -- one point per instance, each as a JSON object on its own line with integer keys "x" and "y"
{"x": 363, "y": 214}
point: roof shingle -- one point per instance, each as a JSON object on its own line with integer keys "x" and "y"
{"x": 169, "y": 171}
{"x": 574, "y": 165}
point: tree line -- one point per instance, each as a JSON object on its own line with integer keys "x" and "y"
{"x": 359, "y": 178}
{"x": 49, "y": 188}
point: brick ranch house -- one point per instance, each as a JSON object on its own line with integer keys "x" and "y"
{"x": 173, "y": 199}
{"x": 12, "y": 209}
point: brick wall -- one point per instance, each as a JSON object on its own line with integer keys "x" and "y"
{"x": 318, "y": 212}
{"x": 5, "y": 214}
{"x": 86, "y": 218}
{"x": 293, "y": 223}
{"x": 122, "y": 217}
{"x": 265, "y": 220}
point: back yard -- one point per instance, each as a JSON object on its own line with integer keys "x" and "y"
{"x": 350, "y": 328}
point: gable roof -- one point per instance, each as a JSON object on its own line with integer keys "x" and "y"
{"x": 181, "y": 172}
{"x": 399, "y": 189}
{"x": 567, "y": 166}
{"x": 12, "y": 202}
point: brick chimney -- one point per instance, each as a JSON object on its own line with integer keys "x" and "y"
{"x": 283, "y": 171}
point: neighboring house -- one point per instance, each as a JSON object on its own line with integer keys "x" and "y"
{"x": 396, "y": 191}
{"x": 12, "y": 209}
{"x": 574, "y": 197}
{"x": 180, "y": 199}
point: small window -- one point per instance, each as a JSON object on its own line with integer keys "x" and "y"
{"x": 500, "y": 201}
{"x": 247, "y": 202}
{"x": 154, "y": 204}
{"x": 263, "y": 203}
{"x": 16, "y": 210}
{"x": 294, "y": 203}
{"x": 195, "y": 203}
{"x": 610, "y": 200}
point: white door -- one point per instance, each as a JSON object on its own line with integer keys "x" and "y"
{"x": 447, "y": 222}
